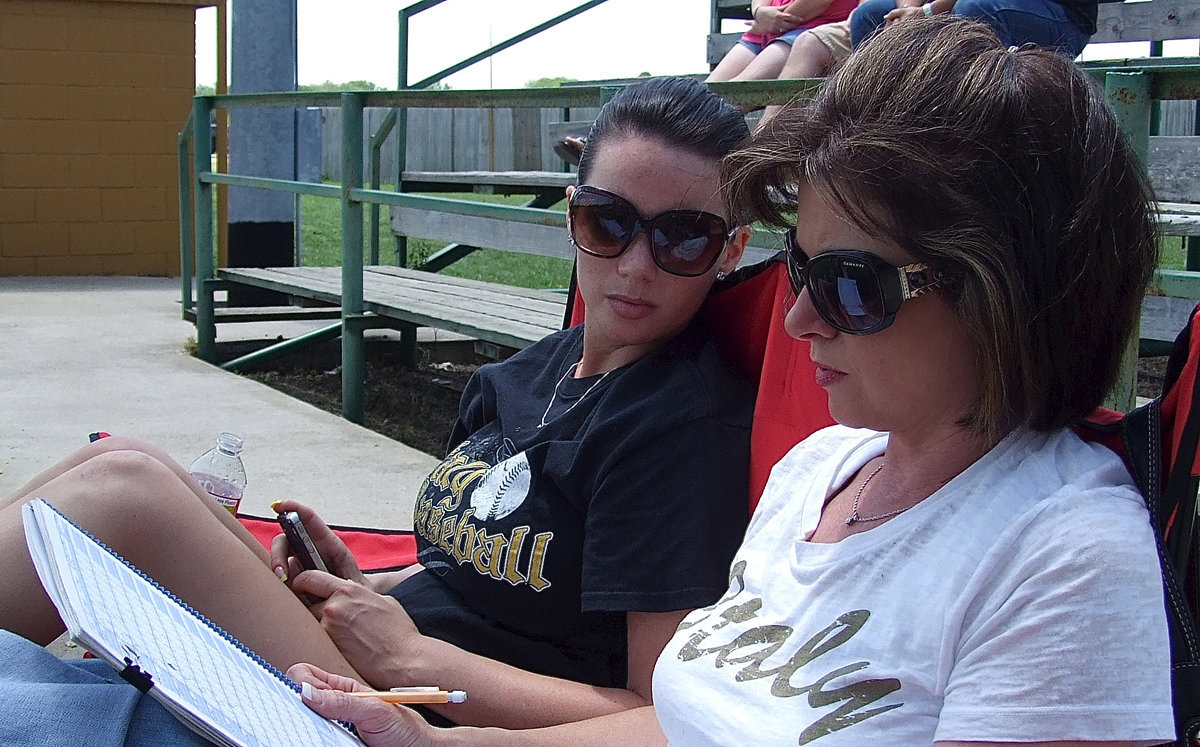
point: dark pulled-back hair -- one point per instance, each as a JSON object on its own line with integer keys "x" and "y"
{"x": 681, "y": 112}
{"x": 1005, "y": 169}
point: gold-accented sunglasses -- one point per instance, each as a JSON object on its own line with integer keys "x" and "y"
{"x": 682, "y": 242}
{"x": 856, "y": 292}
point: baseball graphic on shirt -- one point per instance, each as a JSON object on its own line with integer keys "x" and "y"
{"x": 503, "y": 489}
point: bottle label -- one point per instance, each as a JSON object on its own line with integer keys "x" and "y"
{"x": 223, "y": 491}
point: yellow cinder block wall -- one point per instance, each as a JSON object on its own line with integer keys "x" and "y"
{"x": 93, "y": 94}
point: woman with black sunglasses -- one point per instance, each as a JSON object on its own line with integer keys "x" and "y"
{"x": 950, "y": 564}
{"x": 594, "y": 492}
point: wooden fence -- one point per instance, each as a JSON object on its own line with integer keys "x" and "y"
{"x": 456, "y": 140}
{"x": 518, "y": 139}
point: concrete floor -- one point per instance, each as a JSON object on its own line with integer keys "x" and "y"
{"x": 87, "y": 354}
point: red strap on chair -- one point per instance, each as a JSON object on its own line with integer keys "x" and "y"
{"x": 374, "y": 549}
{"x": 747, "y": 323}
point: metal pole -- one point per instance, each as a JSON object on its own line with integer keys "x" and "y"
{"x": 401, "y": 242}
{"x": 206, "y": 326}
{"x": 377, "y": 140}
{"x": 353, "y": 351}
{"x": 287, "y": 346}
{"x": 508, "y": 43}
{"x": 187, "y": 243}
{"x": 1129, "y": 98}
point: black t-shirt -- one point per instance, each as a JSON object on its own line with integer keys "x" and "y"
{"x": 537, "y": 539}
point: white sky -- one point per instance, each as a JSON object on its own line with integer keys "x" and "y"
{"x": 344, "y": 40}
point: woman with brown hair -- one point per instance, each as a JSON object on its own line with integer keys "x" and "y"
{"x": 950, "y": 564}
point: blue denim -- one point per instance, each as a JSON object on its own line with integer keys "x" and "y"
{"x": 868, "y": 17}
{"x": 787, "y": 37}
{"x": 49, "y": 701}
{"x": 1041, "y": 22}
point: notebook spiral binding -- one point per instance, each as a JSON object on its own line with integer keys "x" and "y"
{"x": 268, "y": 666}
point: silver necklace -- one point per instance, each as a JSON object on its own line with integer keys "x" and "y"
{"x": 554, "y": 395}
{"x": 854, "y": 517}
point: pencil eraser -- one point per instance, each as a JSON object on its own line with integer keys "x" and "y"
{"x": 456, "y": 696}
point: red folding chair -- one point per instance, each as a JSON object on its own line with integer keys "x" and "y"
{"x": 1160, "y": 443}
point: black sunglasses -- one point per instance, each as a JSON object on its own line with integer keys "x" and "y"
{"x": 682, "y": 242}
{"x": 856, "y": 292}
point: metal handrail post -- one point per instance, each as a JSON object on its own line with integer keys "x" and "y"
{"x": 377, "y": 139}
{"x": 353, "y": 350}
{"x": 401, "y": 242}
{"x": 206, "y": 325}
{"x": 1128, "y": 95}
{"x": 512, "y": 40}
{"x": 187, "y": 244}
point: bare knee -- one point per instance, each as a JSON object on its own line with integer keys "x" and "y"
{"x": 130, "y": 476}
{"x": 123, "y": 443}
{"x": 809, "y": 58}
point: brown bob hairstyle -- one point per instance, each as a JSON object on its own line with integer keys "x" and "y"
{"x": 1001, "y": 167}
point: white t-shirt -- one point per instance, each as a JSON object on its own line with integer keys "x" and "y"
{"x": 1020, "y": 602}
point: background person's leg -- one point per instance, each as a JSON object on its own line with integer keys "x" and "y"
{"x": 1041, "y": 22}
{"x": 809, "y": 57}
{"x": 767, "y": 64}
{"x": 733, "y": 63}
{"x": 867, "y": 18}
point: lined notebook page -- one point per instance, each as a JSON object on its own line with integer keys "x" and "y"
{"x": 198, "y": 672}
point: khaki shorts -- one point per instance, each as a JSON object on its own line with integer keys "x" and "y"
{"x": 835, "y": 37}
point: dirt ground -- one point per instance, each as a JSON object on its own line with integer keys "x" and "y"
{"x": 418, "y": 407}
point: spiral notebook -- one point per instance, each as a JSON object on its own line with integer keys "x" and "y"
{"x": 204, "y": 676}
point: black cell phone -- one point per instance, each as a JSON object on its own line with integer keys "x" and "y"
{"x": 302, "y": 545}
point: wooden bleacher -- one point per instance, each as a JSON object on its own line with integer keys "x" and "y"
{"x": 501, "y": 314}
{"x": 1117, "y": 21}
{"x": 507, "y": 318}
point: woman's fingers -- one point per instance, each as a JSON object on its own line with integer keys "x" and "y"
{"x": 378, "y": 723}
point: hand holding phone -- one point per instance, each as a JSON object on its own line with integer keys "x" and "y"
{"x": 301, "y": 544}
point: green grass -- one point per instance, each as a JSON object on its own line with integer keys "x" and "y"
{"x": 321, "y": 230}
{"x": 1172, "y": 254}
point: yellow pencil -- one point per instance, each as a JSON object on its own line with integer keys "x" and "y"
{"x": 413, "y": 695}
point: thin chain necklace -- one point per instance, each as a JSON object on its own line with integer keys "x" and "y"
{"x": 554, "y": 395}
{"x": 854, "y": 517}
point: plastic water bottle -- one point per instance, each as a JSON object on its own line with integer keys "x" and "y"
{"x": 220, "y": 471}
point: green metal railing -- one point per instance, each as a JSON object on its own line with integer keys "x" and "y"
{"x": 196, "y": 204}
{"x": 1130, "y": 92}
{"x": 397, "y": 119}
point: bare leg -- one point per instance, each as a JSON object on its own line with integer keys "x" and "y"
{"x": 767, "y": 64}
{"x": 733, "y": 63}
{"x": 126, "y": 443}
{"x": 141, "y": 504}
{"x": 809, "y": 58}
{"x": 763, "y": 66}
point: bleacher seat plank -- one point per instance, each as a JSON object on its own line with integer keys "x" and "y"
{"x": 1146, "y": 21}
{"x": 505, "y": 315}
{"x": 1163, "y": 317}
{"x": 486, "y": 182}
{"x": 1175, "y": 168}
{"x": 250, "y": 314}
{"x": 528, "y": 238}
